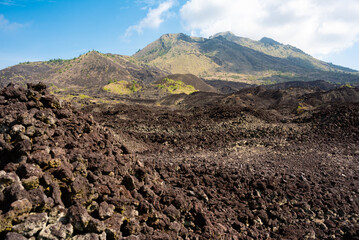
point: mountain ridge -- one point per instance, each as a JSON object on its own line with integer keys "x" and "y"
{"x": 285, "y": 49}
{"x": 227, "y": 54}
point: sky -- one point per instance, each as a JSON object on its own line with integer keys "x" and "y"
{"x": 36, "y": 30}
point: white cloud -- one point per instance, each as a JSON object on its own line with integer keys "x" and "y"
{"x": 22, "y": 3}
{"x": 318, "y": 27}
{"x": 7, "y": 3}
{"x": 147, "y": 3}
{"x": 153, "y": 19}
{"x": 6, "y": 25}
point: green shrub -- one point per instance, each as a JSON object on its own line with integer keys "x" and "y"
{"x": 133, "y": 87}
{"x": 56, "y": 60}
{"x": 175, "y": 86}
{"x": 111, "y": 81}
{"x": 122, "y": 87}
{"x": 83, "y": 96}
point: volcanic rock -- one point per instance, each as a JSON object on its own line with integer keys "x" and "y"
{"x": 233, "y": 173}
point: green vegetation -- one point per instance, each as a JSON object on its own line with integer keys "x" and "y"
{"x": 250, "y": 78}
{"x": 56, "y": 60}
{"x": 66, "y": 97}
{"x": 122, "y": 87}
{"x": 111, "y": 81}
{"x": 61, "y": 61}
{"x": 55, "y": 89}
{"x": 301, "y": 108}
{"x": 83, "y": 96}
{"x": 131, "y": 60}
{"x": 134, "y": 85}
{"x": 347, "y": 85}
{"x": 268, "y": 82}
{"x": 175, "y": 86}
{"x": 235, "y": 77}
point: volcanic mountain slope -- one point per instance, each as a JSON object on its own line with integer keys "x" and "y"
{"x": 88, "y": 73}
{"x": 228, "y": 57}
{"x": 276, "y": 49}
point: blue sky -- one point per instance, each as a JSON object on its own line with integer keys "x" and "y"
{"x": 34, "y": 30}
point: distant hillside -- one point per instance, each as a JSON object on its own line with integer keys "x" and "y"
{"x": 273, "y": 48}
{"x": 177, "y": 53}
{"x": 89, "y": 72}
{"x": 225, "y": 56}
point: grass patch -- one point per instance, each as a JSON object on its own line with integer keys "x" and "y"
{"x": 301, "y": 108}
{"x": 83, "y": 96}
{"x": 175, "y": 86}
{"x": 55, "y": 89}
{"x": 122, "y": 87}
{"x": 347, "y": 85}
{"x": 67, "y": 97}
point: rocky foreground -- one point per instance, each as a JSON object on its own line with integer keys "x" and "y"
{"x": 155, "y": 173}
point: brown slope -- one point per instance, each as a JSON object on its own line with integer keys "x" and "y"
{"x": 88, "y": 73}
{"x": 334, "y": 96}
{"x": 320, "y": 84}
{"x": 291, "y": 101}
{"x": 232, "y": 87}
{"x": 269, "y": 103}
{"x": 29, "y": 72}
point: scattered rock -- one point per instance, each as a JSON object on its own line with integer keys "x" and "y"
{"x": 32, "y": 224}
{"x": 30, "y": 183}
{"x": 129, "y": 183}
{"x": 55, "y": 231}
{"x": 90, "y": 236}
{"x": 78, "y": 217}
{"x": 106, "y": 210}
{"x": 15, "y": 236}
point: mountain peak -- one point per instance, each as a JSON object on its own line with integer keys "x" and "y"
{"x": 91, "y": 54}
{"x": 223, "y": 34}
{"x": 269, "y": 41}
{"x": 175, "y": 36}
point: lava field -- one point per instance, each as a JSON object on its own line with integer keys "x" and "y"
{"x": 251, "y": 165}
